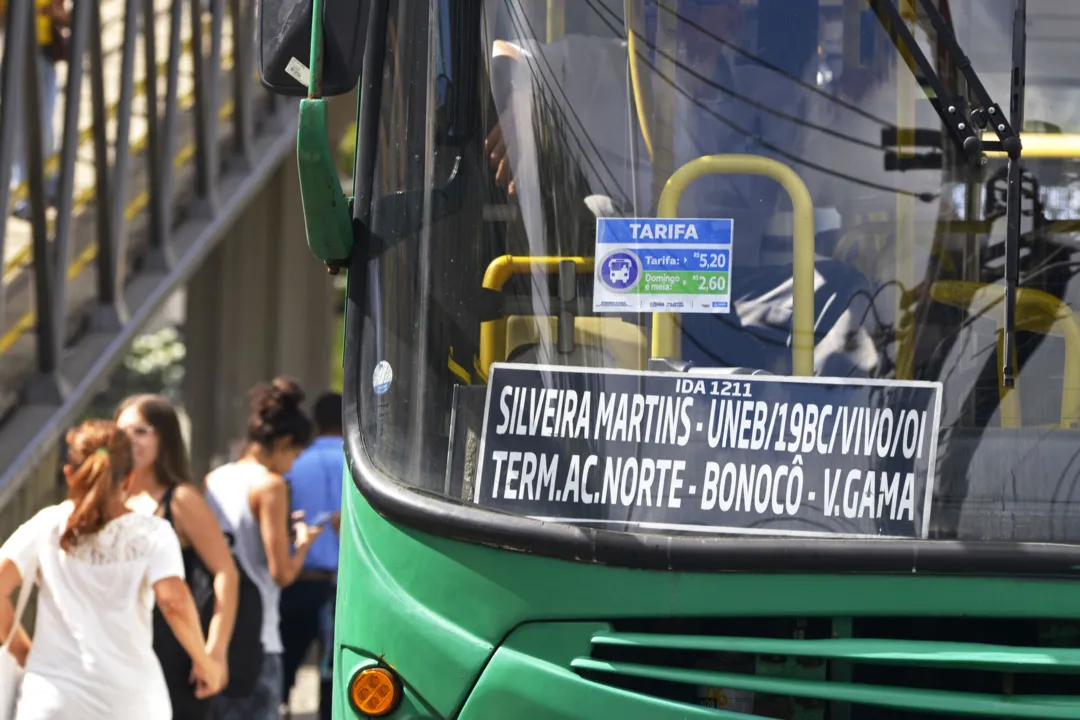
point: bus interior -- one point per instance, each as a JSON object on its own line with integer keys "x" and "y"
{"x": 477, "y": 261}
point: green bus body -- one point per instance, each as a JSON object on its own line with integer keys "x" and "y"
{"x": 499, "y": 615}
{"x": 479, "y": 632}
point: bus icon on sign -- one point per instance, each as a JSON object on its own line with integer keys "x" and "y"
{"x": 620, "y": 271}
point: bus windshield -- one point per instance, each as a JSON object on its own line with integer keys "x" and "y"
{"x": 593, "y": 185}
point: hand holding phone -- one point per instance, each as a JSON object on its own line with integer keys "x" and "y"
{"x": 323, "y": 519}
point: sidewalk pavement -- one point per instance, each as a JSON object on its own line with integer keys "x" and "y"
{"x": 304, "y": 700}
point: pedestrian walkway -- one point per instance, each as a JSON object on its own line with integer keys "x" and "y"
{"x": 17, "y": 312}
{"x": 304, "y": 701}
{"x": 17, "y": 241}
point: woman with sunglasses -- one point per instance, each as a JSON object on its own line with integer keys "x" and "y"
{"x": 161, "y": 485}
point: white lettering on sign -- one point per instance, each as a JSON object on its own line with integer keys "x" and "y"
{"x": 623, "y": 417}
{"x": 811, "y": 428}
{"x": 749, "y": 454}
{"x": 663, "y": 231}
{"x": 869, "y": 495}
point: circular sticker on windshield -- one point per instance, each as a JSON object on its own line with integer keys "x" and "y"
{"x": 620, "y": 271}
{"x": 382, "y": 377}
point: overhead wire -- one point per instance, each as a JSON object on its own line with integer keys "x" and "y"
{"x": 921, "y": 196}
{"x": 740, "y": 96}
{"x": 770, "y": 66}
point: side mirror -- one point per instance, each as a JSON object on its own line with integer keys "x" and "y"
{"x": 284, "y": 29}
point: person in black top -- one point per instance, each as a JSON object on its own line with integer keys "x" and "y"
{"x": 161, "y": 485}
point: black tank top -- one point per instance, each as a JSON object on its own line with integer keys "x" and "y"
{"x": 175, "y": 662}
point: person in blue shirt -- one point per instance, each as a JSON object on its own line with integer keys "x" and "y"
{"x": 315, "y": 486}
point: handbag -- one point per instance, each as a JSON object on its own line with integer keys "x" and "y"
{"x": 11, "y": 674}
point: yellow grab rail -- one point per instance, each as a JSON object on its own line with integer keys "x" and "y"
{"x": 1062, "y": 146}
{"x": 632, "y": 11}
{"x": 499, "y": 271}
{"x": 1037, "y": 312}
{"x": 556, "y": 19}
{"x": 665, "y": 328}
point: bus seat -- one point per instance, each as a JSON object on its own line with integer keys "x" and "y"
{"x": 870, "y": 247}
{"x": 865, "y": 246}
{"x": 1016, "y": 485}
{"x": 967, "y": 357}
{"x": 777, "y": 241}
{"x": 598, "y": 342}
{"x": 1036, "y": 312}
{"x": 757, "y": 333}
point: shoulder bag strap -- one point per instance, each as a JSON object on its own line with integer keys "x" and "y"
{"x": 166, "y": 502}
{"x": 27, "y": 585}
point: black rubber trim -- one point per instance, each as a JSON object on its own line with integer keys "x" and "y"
{"x": 440, "y": 516}
{"x": 444, "y": 518}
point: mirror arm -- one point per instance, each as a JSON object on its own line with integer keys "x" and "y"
{"x": 949, "y": 108}
{"x": 315, "y": 60}
{"x": 328, "y": 213}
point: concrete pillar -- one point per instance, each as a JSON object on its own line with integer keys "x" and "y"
{"x": 260, "y": 306}
{"x": 202, "y": 379}
{"x": 304, "y": 298}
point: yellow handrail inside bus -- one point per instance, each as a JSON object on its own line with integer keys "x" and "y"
{"x": 556, "y": 19}
{"x": 499, "y": 271}
{"x": 907, "y": 92}
{"x": 1042, "y": 145}
{"x": 665, "y": 328}
{"x": 632, "y": 10}
{"x": 1037, "y": 312}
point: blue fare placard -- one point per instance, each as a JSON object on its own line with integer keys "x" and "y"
{"x": 719, "y": 453}
{"x": 663, "y": 265}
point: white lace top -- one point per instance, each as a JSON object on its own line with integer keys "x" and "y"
{"x": 92, "y": 655}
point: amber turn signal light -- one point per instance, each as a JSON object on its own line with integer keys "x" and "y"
{"x": 375, "y": 691}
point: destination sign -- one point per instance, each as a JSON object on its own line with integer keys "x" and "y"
{"x": 710, "y": 452}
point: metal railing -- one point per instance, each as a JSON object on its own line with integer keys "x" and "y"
{"x": 184, "y": 75}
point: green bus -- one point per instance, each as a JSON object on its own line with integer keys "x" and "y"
{"x": 702, "y": 358}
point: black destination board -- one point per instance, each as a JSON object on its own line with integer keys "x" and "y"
{"x": 710, "y": 452}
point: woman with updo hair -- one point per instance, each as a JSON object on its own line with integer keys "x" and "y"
{"x": 253, "y": 500}
{"x": 100, "y": 569}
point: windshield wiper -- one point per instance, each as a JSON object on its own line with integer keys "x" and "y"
{"x": 965, "y": 129}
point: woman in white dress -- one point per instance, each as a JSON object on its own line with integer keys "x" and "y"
{"x": 100, "y": 570}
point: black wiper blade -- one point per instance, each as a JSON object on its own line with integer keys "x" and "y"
{"x": 965, "y": 131}
{"x": 1015, "y": 191}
